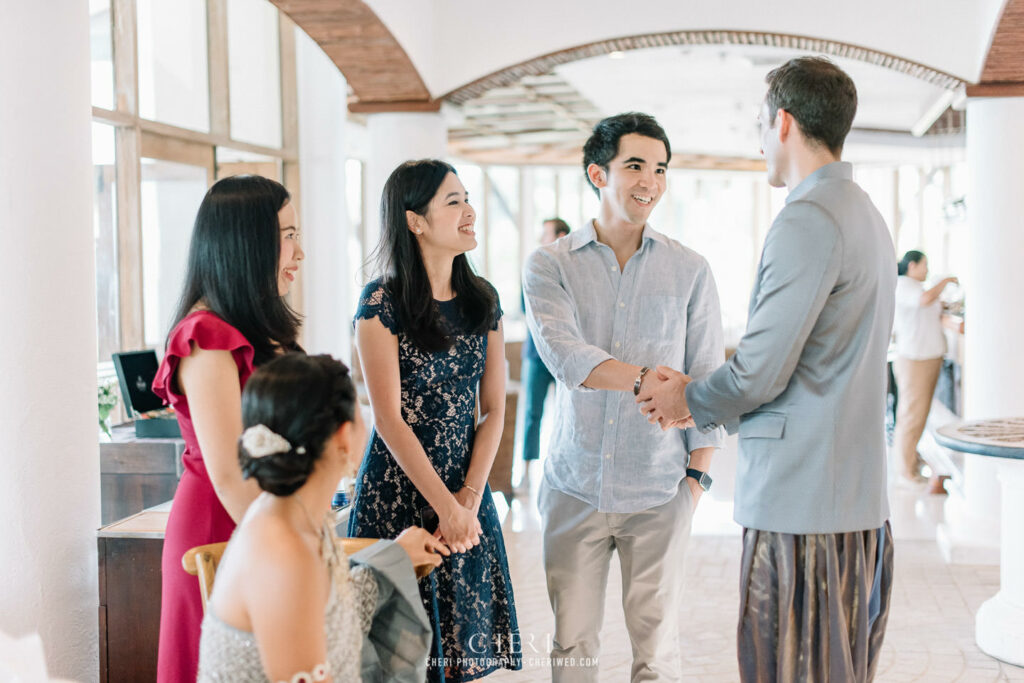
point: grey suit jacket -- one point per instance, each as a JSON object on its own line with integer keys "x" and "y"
{"x": 808, "y": 379}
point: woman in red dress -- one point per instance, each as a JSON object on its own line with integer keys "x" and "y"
{"x": 232, "y": 316}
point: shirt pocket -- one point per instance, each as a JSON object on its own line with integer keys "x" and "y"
{"x": 763, "y": 425}
{"x": 660, "y": 318}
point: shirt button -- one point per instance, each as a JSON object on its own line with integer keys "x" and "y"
{"x": 617, "y": 344}
{"x": 611, "y": 422}
{"x": 622, "y": 304}
{"x": 607, "y": 456}
{"x": 615, "y": 267}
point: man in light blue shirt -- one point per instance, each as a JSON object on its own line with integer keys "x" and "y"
{"x": 605, "y": 303}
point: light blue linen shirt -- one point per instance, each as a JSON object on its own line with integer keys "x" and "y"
{"x": 662, "y": 309}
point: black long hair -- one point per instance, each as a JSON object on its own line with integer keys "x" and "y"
{"x": 233, "y": 263}
{"x": 912, "y": 256}
{"x": 410, "y": 187}
{"x": 304, "y": 399}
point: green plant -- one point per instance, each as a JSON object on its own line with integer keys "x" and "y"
{"x": 106, "y": 401}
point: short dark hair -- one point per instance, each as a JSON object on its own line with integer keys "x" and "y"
{"x": 304, "y": 399}
{"x": 233, "y": 261}
{"x": 603, "y": 143}
{"x": 818, "y": 94}
{"x": 912, "y": 256}
{"x": 561, "y": 227}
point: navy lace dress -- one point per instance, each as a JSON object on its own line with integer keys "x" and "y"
{"x": 469, "y": 597}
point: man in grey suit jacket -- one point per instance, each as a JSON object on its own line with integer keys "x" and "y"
{"x": 807, "y": 387}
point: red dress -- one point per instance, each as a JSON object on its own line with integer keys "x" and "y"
{"x": 196, "y": 516}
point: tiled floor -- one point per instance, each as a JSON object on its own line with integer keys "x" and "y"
{"x": 930, "y": 636}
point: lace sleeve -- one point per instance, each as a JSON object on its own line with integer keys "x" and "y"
{"x": 374, "y": 302}
{"x": 367, "y": 593}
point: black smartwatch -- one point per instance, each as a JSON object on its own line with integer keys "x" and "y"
{"x": 703, "y": 478}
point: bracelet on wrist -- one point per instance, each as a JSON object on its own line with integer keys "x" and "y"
{"x": 467, "y": 486}
{"x": 639, "y": 380}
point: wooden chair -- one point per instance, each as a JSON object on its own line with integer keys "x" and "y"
{"x": 202, "y": 562}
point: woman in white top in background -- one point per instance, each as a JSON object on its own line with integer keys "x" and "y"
{"x": 920, "y": 346}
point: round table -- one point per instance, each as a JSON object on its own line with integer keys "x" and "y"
{"x": 999, "y": 624}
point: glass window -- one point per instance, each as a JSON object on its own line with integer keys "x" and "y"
{"x": 171, "y": 194}
{"x": 570, "y": 180}
{"x": 104, "y": 221}
{"x": 358, "y": 253}
{"x": 173, "y": 74}
{"x": 236, "y": 162}
{"x": 472, "y": 178}
{"x": 503, "y": 235}
{"x": 254, "y": 72}
{"x": 102, "y": 54}
{"x": 544, "y": 206}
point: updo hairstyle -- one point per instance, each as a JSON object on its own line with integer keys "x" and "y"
{"x": 304, "y": 399}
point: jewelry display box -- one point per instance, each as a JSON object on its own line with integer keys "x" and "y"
{"x": 135, "y": 373}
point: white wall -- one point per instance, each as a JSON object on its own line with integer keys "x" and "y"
{"x": 324, "y": 220}
{"x": 471, "y": 39}
{"x": 50, "y": 485}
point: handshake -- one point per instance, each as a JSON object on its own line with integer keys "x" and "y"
{"x": 662, "y": 398}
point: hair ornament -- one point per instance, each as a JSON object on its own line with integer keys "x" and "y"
{"x": 260, "y": 441}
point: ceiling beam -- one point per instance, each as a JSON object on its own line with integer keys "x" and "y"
{"x": 373, "y": 62}
{"x": 1005, "y": 61}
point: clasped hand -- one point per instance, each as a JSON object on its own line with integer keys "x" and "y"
{"x": 662, "y": 398}
{"x": 459, "y": 527}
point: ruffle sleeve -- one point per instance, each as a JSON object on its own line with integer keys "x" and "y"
{"x": 209, "y": 332}
{"x": 375, "y": 302}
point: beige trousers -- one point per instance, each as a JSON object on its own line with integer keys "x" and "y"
{"x": 578, "y": 546}
{"x": 915, "y": 380}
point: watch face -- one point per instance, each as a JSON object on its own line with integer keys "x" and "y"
{"x": 704, "y": 481}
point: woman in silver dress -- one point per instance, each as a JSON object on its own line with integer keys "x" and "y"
{"x": 286, "y": 605}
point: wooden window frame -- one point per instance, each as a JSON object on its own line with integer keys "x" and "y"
{"x": 136, "y": 137}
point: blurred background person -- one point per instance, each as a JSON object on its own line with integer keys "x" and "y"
{"x": 537, "y": 379}
{"x": 920, "y": 347}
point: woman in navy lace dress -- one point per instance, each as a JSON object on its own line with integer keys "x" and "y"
{"x": 428, "y": 332}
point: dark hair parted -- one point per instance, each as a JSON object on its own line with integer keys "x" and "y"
{"x": 908, "y": 258}
{"x": 561, "y": 227}
{"x": 603, "y": 143}
{"x": 304, "y": 399}
{"x": 233, "y": 263}
{"x": 411, "y": 187}
{"x": 818, "y": 94}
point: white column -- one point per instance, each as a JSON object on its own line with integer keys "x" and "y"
{"x": 394, "y": 138}
{"x": 328, "y": 277}
{"x": 993, "y": 364}
{"x": 49, "y": 453}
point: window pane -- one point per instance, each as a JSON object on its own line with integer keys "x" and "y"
{"x": 171, "y": 194}
{"x": 472, "y": 178}
{"x": 102, "y": 50}
{"x": 254, "y": 72}
{"x": 503, "y": 235}
{"x": 357, "y": 251}
{"x": 569, "y": 198}
{"x": 104, "y": 221}
{"x": 173, "y": 74}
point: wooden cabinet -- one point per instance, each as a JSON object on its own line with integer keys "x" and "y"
{"x": 136, "y": 474}
{"x": 129, "y": 590}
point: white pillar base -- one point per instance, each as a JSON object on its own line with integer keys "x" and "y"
{"x": 999, "y": 624}
{"x": 999, "y": 629}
